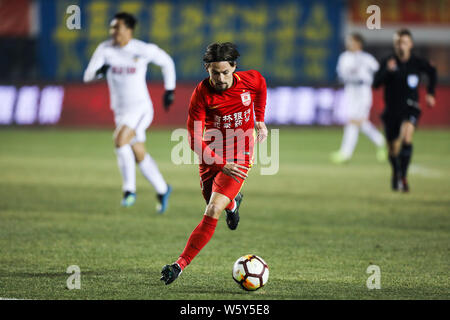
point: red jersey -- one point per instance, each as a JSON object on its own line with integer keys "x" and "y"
{"x": 229, "y": 114}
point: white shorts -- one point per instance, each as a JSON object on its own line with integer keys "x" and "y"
{"x": 138, "y": 120}
{"x": 359, "y": 103}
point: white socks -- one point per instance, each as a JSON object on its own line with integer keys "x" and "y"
{"x": 350, "y": 137}
{"x": 150, "y": 171}
{"x": 372, "y": 133}
{"x": 349, "y": 140}
{"x": 127, "y": 167}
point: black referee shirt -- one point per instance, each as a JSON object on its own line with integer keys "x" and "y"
{"x": 401, "y": 85}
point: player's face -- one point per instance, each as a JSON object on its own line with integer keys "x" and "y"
{"x": 119, "y": 32}
{"x": 402, "y": 45}
{"x": 351, "y": 44}
{"x": 221, "y": 74}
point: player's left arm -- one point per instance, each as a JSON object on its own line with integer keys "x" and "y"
{"x": 373, "y": 63}
{"x": 431, "y": 73}
{"x": 260, "y": 108}
{"x": 159, "y": 57}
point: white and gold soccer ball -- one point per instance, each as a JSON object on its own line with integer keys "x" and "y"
{"x": 250, "y": 272}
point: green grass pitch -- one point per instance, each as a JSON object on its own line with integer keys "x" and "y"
{"x": 317, "y": 225}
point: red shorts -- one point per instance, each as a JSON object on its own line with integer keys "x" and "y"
{"x": 214, "y": 180}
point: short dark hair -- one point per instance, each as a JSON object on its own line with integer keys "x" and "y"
{"x": 129, "y": 20}
{"x": 217, "y": 51}
{"x": 358, "y": 38}
{"x": 404, "y": 32}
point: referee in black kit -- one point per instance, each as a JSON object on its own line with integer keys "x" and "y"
{"x": 400, "y": 74}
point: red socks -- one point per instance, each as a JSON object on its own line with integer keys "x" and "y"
{"x": 198, "y": 239}
{"x": 231, "y": 205}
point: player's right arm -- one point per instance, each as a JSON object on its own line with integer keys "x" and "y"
{"x": 387, "y": 66}
{"x": 196, "y": 125}
{"x": 96, "y": 66}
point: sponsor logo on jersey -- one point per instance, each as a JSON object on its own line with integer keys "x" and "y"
{"x": 123, "y": 70}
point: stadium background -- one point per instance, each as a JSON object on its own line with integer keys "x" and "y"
{"x": 295, "y": 44}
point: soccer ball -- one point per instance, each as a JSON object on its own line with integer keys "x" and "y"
{"x": 250, "y": 272}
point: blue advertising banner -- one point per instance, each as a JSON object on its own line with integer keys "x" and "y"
{"x": 289, "y": 42}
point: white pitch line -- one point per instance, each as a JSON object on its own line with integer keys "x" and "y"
{"x": 424, "y": 171}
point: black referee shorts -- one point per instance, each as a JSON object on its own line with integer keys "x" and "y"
{"x": 393, "y": 121}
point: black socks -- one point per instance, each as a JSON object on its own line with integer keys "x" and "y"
{"x": 395, "y": 163}
{"x": 396, "y": 168}
{"x": 405, "y": 158}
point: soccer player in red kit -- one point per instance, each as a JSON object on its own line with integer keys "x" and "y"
{"x": 224, "y": 111}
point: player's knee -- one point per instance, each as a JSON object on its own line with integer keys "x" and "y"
{"x": 139, "y": 151}
{"x": 396, "y": 151}
{"x": 408, "y": 138}
{"x": 213, "y": 210}
{"x": 356, "y": 122}
{"x": 138, "y": 158}
{"x": 139, "y": 155}
{"x": 123, "y": 136}
{"x": 393, "y": 151}
{"x": 390, "y": 149}
{"x": 119, "y": 141}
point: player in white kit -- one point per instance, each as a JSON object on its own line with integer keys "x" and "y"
{"x": 355, "y": 69}
{"x": 123, "y": 61}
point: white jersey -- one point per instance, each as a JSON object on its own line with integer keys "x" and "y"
{"x": 356, "y": 71}
{"x": 127, "y": 70}
{"x": 357, "y": 68}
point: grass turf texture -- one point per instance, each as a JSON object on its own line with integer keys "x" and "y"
{"x": 317, "y": 225}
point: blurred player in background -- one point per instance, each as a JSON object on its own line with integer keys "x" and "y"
{"x": 355, "y": 69}
{"x": 123, "y": 61}
{"x": 400, "y": 74}
{"x": 225, "y": 105}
